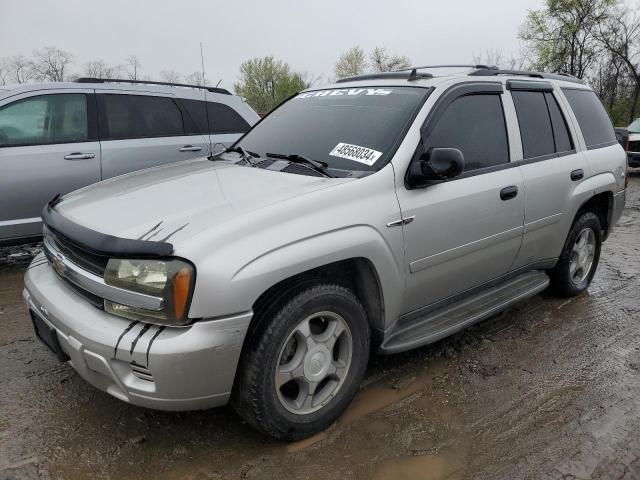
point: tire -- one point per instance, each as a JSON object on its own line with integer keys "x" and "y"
{"x": 565, "y": 280}
{"x": 278, "y": 343}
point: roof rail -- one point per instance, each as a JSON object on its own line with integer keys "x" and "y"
{"x": 223, "y": 91}
{"x": 485, "y": 72}
{"x": 462, "y": 65}
{"x": 398, "y": 74}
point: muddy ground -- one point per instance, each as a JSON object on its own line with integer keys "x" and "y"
{"x": 548, "y": 390}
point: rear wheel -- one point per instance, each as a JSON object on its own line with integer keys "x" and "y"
{"x": 301, "y": 367}
{"x": 579, "y": 259}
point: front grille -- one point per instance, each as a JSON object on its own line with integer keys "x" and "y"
{"x": 634, "y": 146}
{"x": 94, "y": 300}
{"x": 89, "y": 261}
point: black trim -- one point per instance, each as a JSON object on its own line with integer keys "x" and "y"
{"x": 492, "y": 72}
{"x": 101, "y": 243}
{"x": 396, "y": 75}
{"x": 529, "y": 86}
{"x": 603, "y": 145}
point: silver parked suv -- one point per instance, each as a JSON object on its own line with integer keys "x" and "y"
{"x": 58, "y": 137}
{"x": 378, "y": 214}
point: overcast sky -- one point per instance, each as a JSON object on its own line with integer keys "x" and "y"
{"x": 309, "y": 35}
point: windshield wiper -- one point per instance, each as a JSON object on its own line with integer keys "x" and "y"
{"x": 247, "y": 155}
{"x": 315, "y": 165}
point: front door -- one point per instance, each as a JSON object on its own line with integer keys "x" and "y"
{"x": 48, "y": 146}
{"x": 466, "y": 231}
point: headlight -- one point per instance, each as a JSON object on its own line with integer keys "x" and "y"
{"x": 172, "y": 280}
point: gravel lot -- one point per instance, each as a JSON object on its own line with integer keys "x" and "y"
{"x": 547, "y": 390}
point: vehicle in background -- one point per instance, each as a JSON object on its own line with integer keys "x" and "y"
{"x": 59, "y": 137}
{"x": 634, "y": 143}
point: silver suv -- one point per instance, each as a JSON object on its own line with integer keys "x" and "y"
{"x": 58, "y": 137}
{"x": 378, "y": 214}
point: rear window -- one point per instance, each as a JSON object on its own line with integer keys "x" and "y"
{"x": 138, "y": 116}
{"x": 348, "y": 128}
{"x": 221, "y": 118}
{"x": 592, "y": 117}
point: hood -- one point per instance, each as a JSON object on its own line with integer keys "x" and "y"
{"x": 180, "y": 200}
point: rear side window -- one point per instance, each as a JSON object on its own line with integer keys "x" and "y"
{"x": 535, "y": 124}
{"x": 592, "y": 117}
{"x": 475, "y": 125}
{"x": 196, "y": 121}
{"x": 224, "y": 119}
{"x": 44, "y": 120}
{"x": 138, "y": 116}
{"x": 543, "y": 129}
{"x": 221, "y": 118}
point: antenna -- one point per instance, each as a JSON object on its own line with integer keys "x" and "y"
{"x": 204, "y": 82}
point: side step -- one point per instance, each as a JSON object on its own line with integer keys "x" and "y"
{"x": 434, "y": 325}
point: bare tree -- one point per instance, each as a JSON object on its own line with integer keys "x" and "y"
{"x": 20, "y": 69}
{"x": 620, "y": 35}
{"x": 196, "y": 78}
{"x": 170, "y": 76}
{"x": 489, "y": 57}
{"x": 352, "y": 62}
{"x": 100, "y": 69}
{"x": 51, "y": 64}
{"x": 4, "y": 71}
{"x": 133, "y": 67}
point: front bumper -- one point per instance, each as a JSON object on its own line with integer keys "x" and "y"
{"x": 165, "y": 368}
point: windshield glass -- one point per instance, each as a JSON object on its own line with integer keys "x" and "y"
{"x": 635, "y": 126}
{"x": 349, "y": 128}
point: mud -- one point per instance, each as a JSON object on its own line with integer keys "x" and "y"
{"x": 547, "y": 390}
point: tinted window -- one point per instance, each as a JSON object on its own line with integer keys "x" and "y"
{"x": 535, "y": 124}
{"x": 592, "y": 117}
{"x": 224, "y": 119}
{"x": 561, "y": 134}
{"x": 349, "y": 128}
{"x": 137, "y": 116}
{"x": 196, "y": 120}
{"x": 475, "y": 125}
{"x": 44, "y": 120}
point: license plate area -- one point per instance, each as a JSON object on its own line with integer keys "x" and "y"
{"x": 48, "y": 336}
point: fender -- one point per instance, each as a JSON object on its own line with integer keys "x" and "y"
{"x": 357, "y": 241}
{"x": 602, "y": 182}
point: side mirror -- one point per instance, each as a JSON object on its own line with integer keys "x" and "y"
{"x": 436, "y": 165}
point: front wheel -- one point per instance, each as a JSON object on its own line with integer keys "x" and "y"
{"x": 302, "y": 367}
{"x": 579, "y": 258}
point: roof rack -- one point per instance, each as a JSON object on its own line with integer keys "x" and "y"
{"x": 223, "y": 91}
{"x": 460, "y": 65}
{"x": 485, "y": 72}
{"x": 398, "y": 74}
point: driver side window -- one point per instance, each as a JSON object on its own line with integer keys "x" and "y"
{"x": 475, "y": 125}
{"x": 44, "y": 120}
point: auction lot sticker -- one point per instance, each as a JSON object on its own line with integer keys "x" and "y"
{"x": 356, "y": 153}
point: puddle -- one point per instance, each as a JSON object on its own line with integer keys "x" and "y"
{"x": 432, "y": 467}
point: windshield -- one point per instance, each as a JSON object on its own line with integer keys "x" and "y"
{"x": 635, "y": 126}
{"x": 349, "y": 128}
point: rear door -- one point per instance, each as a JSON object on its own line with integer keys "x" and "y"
{"x": 552, "y": 169}
{"x": 48, "y": 146}
{"x": 139, "y": 131}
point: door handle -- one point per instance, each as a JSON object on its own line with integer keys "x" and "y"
{"x": 507, "y": 193}
{"x": 79, "y": 156}
{"x": 190, "y": 148}
{"x": 577, "y": 175}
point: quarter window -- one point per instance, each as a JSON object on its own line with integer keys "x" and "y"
{"x": 475, "y": 125}
{"x": 592, "y": 117}
{"x": 43, "y": 120}
{"x": 138, "y": 116}
{"x": 224, "y": 119}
